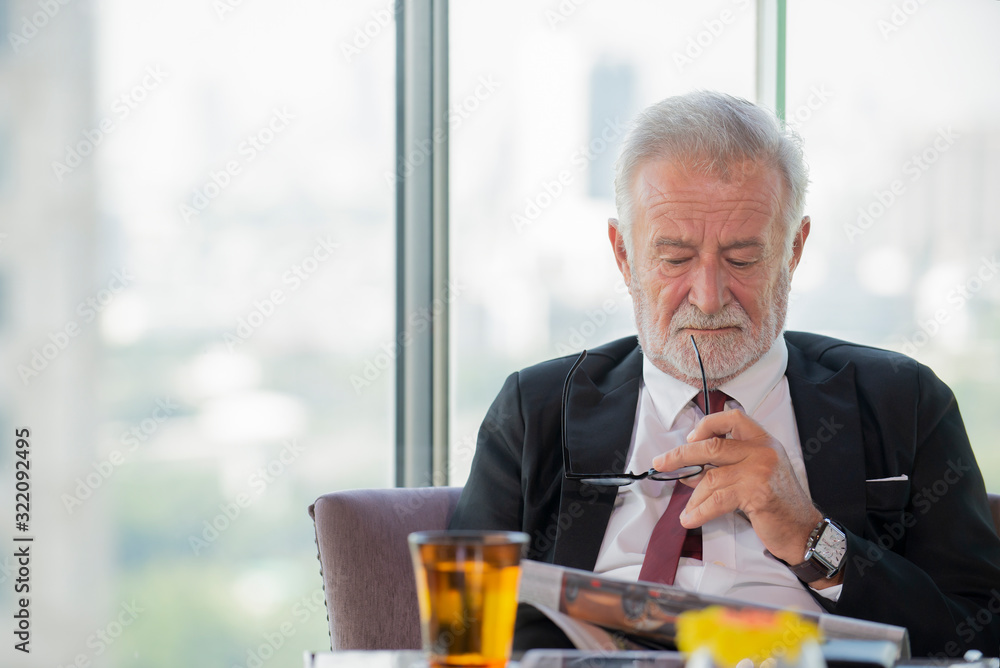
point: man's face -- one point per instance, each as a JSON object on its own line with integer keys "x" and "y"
{"x": 707, "y": 260}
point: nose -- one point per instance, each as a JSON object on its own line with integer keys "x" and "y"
{"x": 709, "y": 286}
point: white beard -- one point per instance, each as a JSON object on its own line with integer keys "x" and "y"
{"x": 725, "y": 355}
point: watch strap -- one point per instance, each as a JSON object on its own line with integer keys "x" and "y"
{"x": 813, "y": 568}
{"x": 809, "y": 570}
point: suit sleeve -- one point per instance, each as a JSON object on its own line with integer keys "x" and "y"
{"x": 492, "y": 497}
{"x": 935, "y": 567}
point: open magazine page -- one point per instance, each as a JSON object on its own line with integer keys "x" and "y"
{"x": 650, "y": 611}
{"x": 582, "y": 634}
{"x": 590, "y": 637}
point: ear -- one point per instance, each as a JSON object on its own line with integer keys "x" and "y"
{"x": 798, "y": 243}
{"x": 618, "y": 247}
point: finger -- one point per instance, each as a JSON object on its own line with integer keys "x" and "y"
{"x": 709, "y": 503}
{"x": 715, "y": 450}
{"x": 734, "y": 422}
{"x": 695, "y": 480}
{"x": 717, "y": 477}
{"x": 714, "y": 479}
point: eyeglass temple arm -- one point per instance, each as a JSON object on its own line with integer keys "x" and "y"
{"x": 704, "y": 381}
{"x": 567, "y": 462}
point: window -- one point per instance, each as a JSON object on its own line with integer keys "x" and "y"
{"x": 901, "y": 133}
{"x": 197, "y": 276}
{"x": 542, "y": 95}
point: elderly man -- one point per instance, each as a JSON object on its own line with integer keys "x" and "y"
{"x": 830, "y": 475}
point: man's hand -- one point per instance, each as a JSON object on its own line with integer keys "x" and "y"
{"x": 751, "y": 473}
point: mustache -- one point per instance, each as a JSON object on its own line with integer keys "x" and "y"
{"x": 689, "y": 316}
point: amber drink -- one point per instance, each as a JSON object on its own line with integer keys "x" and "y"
{"x": 467, "y": 589}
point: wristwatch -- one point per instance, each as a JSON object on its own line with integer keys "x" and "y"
{"x": 825, "y": 552}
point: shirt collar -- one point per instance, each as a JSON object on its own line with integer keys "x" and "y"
{"x": 670, "y": 395}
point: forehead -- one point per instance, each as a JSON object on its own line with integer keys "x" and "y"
{"x": 676, "y": 201}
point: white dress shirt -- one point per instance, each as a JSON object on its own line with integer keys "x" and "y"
{"x": 735, "y": 564}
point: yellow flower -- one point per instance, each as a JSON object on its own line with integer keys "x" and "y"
{"x": 731, "y": 635}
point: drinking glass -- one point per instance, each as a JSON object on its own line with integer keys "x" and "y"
{"x": 467, "y": 589}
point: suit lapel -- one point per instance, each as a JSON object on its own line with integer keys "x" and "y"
{"x": 599, "y": 422}
{"x": 826, "y": 409}
{"x": 600, "y": 419}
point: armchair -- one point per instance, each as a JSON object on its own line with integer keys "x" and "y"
{"x": 371, "y": 595}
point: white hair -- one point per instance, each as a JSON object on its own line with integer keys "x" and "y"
{"x": 712, "y": 134}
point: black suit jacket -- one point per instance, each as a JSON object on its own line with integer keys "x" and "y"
{"x": 922, "y": 552}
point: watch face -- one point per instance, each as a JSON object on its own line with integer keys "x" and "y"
{"x": 831, "y": 546}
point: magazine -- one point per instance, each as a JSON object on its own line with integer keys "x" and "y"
{"x": 604, "y": 614}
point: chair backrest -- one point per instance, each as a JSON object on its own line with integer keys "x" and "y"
{"x": 995, "y": 509}
{"x": 371, "y": 594}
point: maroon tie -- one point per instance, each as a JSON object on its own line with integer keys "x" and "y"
{"x": 716, "y": 400}
{"x": 667, "y": 541}
{"x": 670, "y": 541}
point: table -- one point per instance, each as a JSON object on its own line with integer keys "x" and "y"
{"x": 836, "y": 655}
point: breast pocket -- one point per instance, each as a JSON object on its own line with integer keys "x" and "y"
{"x": 886, "y": 502}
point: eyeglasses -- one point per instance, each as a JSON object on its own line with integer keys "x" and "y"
{"x": 627, "y": 478}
